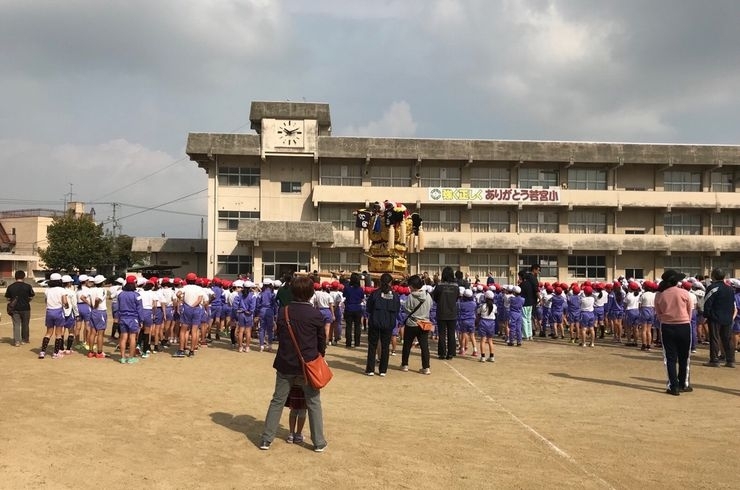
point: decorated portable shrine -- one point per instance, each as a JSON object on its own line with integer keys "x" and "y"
{"x": 388, "y": 232}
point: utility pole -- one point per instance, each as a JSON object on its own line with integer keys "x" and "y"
{"x": 70, "y": 194}
{"x": 114, "y": 228}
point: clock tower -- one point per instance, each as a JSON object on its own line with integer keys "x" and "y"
{"x": 290, "y": 128}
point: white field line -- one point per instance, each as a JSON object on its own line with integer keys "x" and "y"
{"x": 532, "y": 431}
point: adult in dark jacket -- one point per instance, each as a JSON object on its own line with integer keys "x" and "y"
{"x": 353, "y": 297}
{"x": 528, "y": 283}
{"x": 307, "y": 324}
{"x": 719, "y": 310}
{"x": 445, "y": 295}
{"x": 22, "y": 293}
{"x": 383, "y": 306}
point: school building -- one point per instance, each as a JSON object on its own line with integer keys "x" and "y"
{"x": 282, "y": 199}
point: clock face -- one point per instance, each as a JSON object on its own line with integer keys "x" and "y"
{"x": 290, "y": 133}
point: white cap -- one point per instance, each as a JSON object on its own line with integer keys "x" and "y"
{"x": 67, "y": 278}
{"x": 238, "y": 283}
{"x": 516, "y": 289}
{"x": 55, "y": 277}
{"x": 735, "y": 283}
{"x": 488, "y": 294}
{"x": 83, "y": 278}
{"x": 99, "y": 279}
{"x": 121, "y": 281}
{"x": 461, "y": 290}
{"x": 699, "y": 293}
{"x": 248, "y": 284}
{"x": 140, "y": 281}
{"x": 277, "y": 283}
{"x": 468, "y": 293}
{"x": 266, "y": 281}
{"x": 479, "y": 287}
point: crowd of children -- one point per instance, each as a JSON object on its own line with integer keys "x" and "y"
{"x": 150, "y": 315}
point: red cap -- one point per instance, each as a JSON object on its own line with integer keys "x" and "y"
{"x": 558, "y": 291}
{"x": 588, "y": 290}
{"x": 576, "y": 289}
{"x": 316, "y": 286}
{"x": 130, "y": 279}
{"x": 191, "y": 276}
{"x": 177, "y": 280}
{"x": 633, "y": 286}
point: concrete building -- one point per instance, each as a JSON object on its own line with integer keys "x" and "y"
{"x": 283, "y": 199}
{"x": 179, "y": 255}
{"x": 22, "y": 234}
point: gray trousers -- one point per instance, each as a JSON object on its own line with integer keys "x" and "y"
{"x": 21, "y": 320}
{"x": 283, "y": 382}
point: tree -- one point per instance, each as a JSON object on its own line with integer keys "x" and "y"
{"x": 121, "y": 255}
{"x": 76, "y": 243}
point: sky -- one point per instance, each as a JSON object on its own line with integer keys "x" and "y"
{"x": 97, "y": 98}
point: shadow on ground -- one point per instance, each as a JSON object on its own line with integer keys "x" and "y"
{"x": 244, "y": 424}
{"x": 609, "y": 382}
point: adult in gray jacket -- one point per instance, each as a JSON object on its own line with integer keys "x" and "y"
{"x": 417, "y": 307}
{"x": 445, "y": 294}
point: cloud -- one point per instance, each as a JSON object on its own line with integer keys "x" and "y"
{"x": 397, "y": 121}
{"x": 100, "y": 175}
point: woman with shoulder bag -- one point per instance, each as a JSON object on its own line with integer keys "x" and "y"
{"x": 417, "y": 307}
{"x": 307, "y": 324}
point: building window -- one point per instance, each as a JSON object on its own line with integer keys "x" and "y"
{"x": 548, "y": 264}
{"x": 538, "y": 222}
{"x": 490, "y": 177}
{"x": 722, "y": 224}
{"x": 587, "y": 266}
{"x": 485, "y": 220}
{"x": 338, "y": 174}
{"x": 433, "y": 262}
{"x": 290, "y": 187}
{"x": 440, "y": 176}
{"x": 342, "y": 219}
{"x": 229, "y": 220}
{"x": 538, "y": 177}
{"x": 337, "y": 260}
{"x": 681, "y": 181}
{"x": 688, "y": 264}
{"x": 682, "y": 224}
{"x": 587, "y": 222}
{"x": 634, "y": 273}
{"x": 722, "y": 181}
{"x": 441, "y": 219}
{"x": 239, "y": 176}
{"x": 481, "y": 264}
{"x": 390, "y": 175}
{"x": 587, "y": 179}
{"x": 276, "y": 263}
{"x": 634, "y": 231}
{"x": 723, "y": 262}
{"x": 233, "y": 265}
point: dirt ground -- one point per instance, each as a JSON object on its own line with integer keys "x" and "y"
{"x": 546, "y": 415}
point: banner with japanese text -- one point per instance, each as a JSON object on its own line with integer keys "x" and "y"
{"x": 499, "y": 195}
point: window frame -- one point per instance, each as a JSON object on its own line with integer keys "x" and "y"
{"x": 590, "y": 179}
{"x": 541, "y": 180}
{"x": 689, "y": 181}
{"x": 590, "y": 222}
{"x": 682, "y": 228}
{"x": 493, "y": 223}
{"x": 232, "y": 218}
{"x": 238, "y": 176}
{"x": 593, "y": 268}
{"x": 542, "y": 225}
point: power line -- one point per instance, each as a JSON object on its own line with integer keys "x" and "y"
{"x": 142, "y": 178}
{"x": 160, "y": 170}
{"x": 154, "y": 208}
